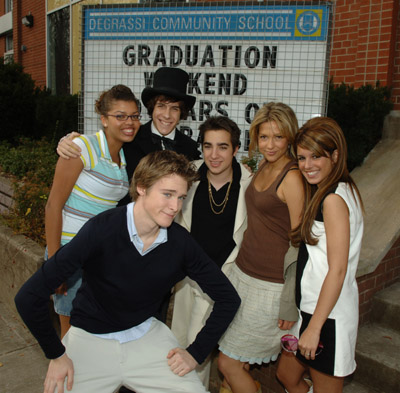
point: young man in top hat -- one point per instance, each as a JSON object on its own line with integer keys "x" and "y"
{"x": 167, "y": 103}
{"x": 130, "y": 256}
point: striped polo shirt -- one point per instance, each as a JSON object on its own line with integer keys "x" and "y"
{"x": 101, "y": 184}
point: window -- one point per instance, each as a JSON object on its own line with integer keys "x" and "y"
{"x": 9, "y": 43}
{"x": 8, "y": 6}
{"x": 9, "y": 53}
{"x": 58, "y": 51}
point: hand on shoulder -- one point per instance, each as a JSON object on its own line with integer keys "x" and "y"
{"x": 66, "y": 147}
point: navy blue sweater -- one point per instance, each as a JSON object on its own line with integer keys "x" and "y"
{"x": 121, "y": 288}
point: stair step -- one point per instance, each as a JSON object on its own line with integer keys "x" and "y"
{"x": 357, "y": 387}
{"x": 378, "y": 360}
{"x": 386, "y": 307}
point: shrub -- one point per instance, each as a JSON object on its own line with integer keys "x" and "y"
{"x": 31, "y": 165}
{"x": 17, "y": 102}
{"x": 55, "y": 115}
{"x": 28, "y": 111}
{"x": 360, "y": 113}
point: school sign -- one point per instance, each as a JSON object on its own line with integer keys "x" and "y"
{"x": 237, "y": 57}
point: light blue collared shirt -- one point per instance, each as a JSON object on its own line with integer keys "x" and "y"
{"x": 136, "y": 240}
{"x": 136, "y": 332}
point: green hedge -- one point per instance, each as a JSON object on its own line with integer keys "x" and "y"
{"x": 28, "y": 111}
{"x": 31, "y": 166}
{"x": 360, "y": 113}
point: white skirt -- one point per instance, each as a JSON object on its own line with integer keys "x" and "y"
{"x": 253, "y": 336}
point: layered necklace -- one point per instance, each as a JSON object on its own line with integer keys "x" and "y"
{"x": 214, "y": 205}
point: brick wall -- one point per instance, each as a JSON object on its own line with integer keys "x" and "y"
{"x": 2, "y": 46}
{"x": 33, "y": 38}
{"x": 386, "y": 274}
{"x": 2, "y": 39}
{"x": 366, "y": 44}
{"x": 396, "y": 67}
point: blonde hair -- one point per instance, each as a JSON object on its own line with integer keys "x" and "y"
{"x": 322, "y": 136}
{"x": 158, "y": 164}
{"x": 285, "y": 119}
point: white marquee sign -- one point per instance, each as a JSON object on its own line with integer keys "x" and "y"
{"x": 238, "y": 57}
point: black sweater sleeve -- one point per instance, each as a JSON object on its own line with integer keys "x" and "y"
{"x": 32, "y": 300}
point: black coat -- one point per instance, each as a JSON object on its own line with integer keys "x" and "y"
{"x": 143, "y": 144}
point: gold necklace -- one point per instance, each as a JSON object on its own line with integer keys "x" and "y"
{"x": 213, "y": 203}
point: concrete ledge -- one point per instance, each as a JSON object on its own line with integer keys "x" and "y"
{"x": 379, "y": 182}
{"x": 20, "y": 257}
{"x": 6, "y": 193}
{"x": 391, "y": 126}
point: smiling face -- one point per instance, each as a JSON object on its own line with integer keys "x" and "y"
{"x": 162, "y": 201}
{"x": 315, "y": 168}
{"x": 271, "y": 142}
{"x": 166, "y": 116}
{"x": 218, "y": 152}
{"x": 121, "y": 131}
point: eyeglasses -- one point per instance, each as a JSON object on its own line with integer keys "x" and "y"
{"x": 289, "y": 344}
{"x": 126, "y": 117}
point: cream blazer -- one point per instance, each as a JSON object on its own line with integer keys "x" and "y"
{"x": 191, "y": 305}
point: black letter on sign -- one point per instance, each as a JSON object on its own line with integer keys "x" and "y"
{"x": 208, "y": 57}
{"x": 247, "y": 112}
{"x": 256, "y": 57}
{"x": 237, "y": 89}
{"x": 224, "y": 84}
{"x": 238, "y": 54}
{"x": 220, "y": 110}
{"x": 208, "y": 83}
{"x": 192, "y": 115}
{"x": 225, "y": 49}
{"x": 188, "y": 61}
{"x": 148, "y": 78}
{"x": 269, "y": 57}
{"x": 160, "y": 56}
{"x": 194, "y": 83}
{"x": 246, "y": 140}
{"x": 128, "y": 56}
{"x": 143, "y": 54}
{"x": 205, "y": 109}
{"x": 175, "y": 50}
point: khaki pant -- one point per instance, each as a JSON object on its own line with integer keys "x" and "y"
{"x": 102, "y": 366}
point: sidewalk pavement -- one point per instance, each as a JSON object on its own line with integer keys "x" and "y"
{"x": 23, "y": 366}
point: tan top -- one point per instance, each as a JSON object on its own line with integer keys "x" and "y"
{"x": 266, "y": 239}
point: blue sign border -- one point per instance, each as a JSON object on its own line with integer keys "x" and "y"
{"x": 208, "y": 23}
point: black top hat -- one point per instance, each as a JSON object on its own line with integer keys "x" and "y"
{"x": 171, "y": 82}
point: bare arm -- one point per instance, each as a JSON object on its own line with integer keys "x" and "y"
{"x": 291, "y": 192}
{"x": 66, "y": 174}
{"x": 67, "y": 148}
{"x": 337, "y": 227}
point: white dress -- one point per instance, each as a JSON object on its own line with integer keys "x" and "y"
{"x": 339, "y": 333}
